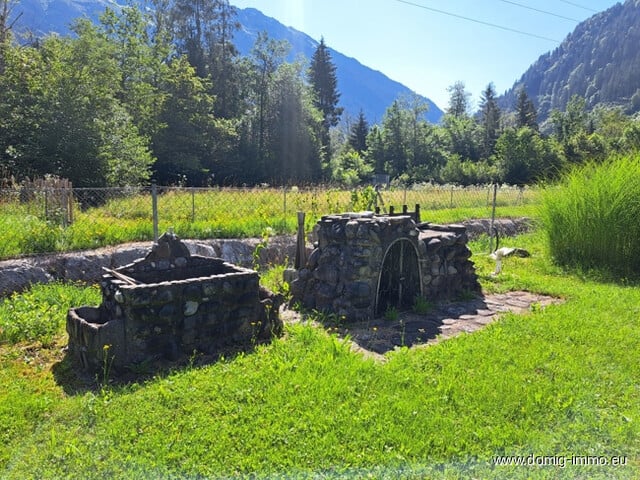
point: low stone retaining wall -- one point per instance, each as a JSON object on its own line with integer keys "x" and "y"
{"x": 506, "y": 227}
{"x": 86, "y": 266}
{"x": 17, "y": 275}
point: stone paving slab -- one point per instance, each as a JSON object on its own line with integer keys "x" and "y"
{"x": 444, "y": 321}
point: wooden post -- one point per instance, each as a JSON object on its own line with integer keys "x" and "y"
{"x": 70, "y": 207}
{"x": 284, "y": 207}
{"x": 391, "y": 209}
{"x": 417, "y": 213}
{"x": 64, "y": 206}
{"x": 193, "y": 205}
{"x": 301, "y": 249}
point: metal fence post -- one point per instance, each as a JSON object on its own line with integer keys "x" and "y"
{"x": 493, "y": 218}
{"x": 193, "y": 205}
{"x": 284, "y": 207}
{"x": 154, "y": 207}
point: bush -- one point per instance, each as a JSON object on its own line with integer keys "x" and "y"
{"x": 591, "y": 217}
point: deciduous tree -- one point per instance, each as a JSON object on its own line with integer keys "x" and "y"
{"x": 266, "y": 56}
{"x": 459, "y": 100}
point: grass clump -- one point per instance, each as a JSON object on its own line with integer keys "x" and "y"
{"x": 39, "y": 314}
{"x": 421, "y": 305}
{"x": 591, "y": 217}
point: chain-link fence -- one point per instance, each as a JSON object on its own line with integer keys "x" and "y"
{"x": 49, "y": 219}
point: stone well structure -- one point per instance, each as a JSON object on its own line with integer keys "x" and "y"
{"x": 365, "y": 264}
{"x": 169, "y": 305}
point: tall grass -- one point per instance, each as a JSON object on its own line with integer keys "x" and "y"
{"x": 591, "y": 217}
{"x": 39, "y": 314}
{"x": 232, "y": 213}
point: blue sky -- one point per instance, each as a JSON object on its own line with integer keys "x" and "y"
{"x": 427, "y": 50}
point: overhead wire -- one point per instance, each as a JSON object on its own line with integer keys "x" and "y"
{"x": 481, "y": 22}
{"x": 541, "y": 11}
{"x": 579, "y": 6}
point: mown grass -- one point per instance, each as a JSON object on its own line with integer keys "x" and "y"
{"x": 563, "y": 380}
{"x": 210, "y": 213}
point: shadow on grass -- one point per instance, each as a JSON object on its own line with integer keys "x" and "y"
{"x": 75, "y": 380}
{"x": 442, "y": 321}
{"x": 408, "y": 329}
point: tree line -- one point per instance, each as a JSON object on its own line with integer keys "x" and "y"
{"x": 162, "y": 94}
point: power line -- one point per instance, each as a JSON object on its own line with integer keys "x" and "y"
{"x": 541, "y": 11}
{"x": 579, "y": 6}
{"x": 508, "y": 29}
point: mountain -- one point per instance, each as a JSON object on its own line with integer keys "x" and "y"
{"x": 40, "y": 17}
{"x": 361, "y": 88}
{"x": 599, "y": 60}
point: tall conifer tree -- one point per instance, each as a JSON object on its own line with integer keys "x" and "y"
{"x": 526, "y": 115}
{"x": 322, "y": 74}
{"x": 490, "y": 119}
{"x": 358, "y": 134}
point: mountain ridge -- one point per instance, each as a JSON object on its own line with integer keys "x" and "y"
{"x": 360, "y": 87}
{"x": 599, "y": 61}
{"x": 379, "y": 88}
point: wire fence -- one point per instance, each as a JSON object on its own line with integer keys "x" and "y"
{"x": 48, "y": 219}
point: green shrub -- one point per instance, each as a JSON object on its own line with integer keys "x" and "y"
{"x": 591, "y": 217}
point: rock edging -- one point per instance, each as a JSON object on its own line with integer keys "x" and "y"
{"x": 87, "y": 266}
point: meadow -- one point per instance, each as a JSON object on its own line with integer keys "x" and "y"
{"x": 227, "y": 213}
{"x": 559, "y": 382}
{"x": 556, "y": 389}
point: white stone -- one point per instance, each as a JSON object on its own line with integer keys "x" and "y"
{"x": 190, "y": 308}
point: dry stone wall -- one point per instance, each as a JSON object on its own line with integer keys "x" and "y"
{"x": 365, "y": 264}
{"x": 168, "y": 306}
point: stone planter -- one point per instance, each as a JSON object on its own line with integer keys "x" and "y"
{"x": 169, "y": 305}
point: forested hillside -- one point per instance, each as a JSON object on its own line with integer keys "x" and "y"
{"x": 163, "y": 94}
{"x": 599, "y": 61}
{"x": 361, "y": 87}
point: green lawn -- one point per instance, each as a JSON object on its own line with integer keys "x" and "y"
{"x": 561, "y": 381}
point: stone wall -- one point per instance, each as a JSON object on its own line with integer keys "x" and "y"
{"x": 365, "y": 264}
{"x": 170, "y": 305}
{"x": 86, "y": 266}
